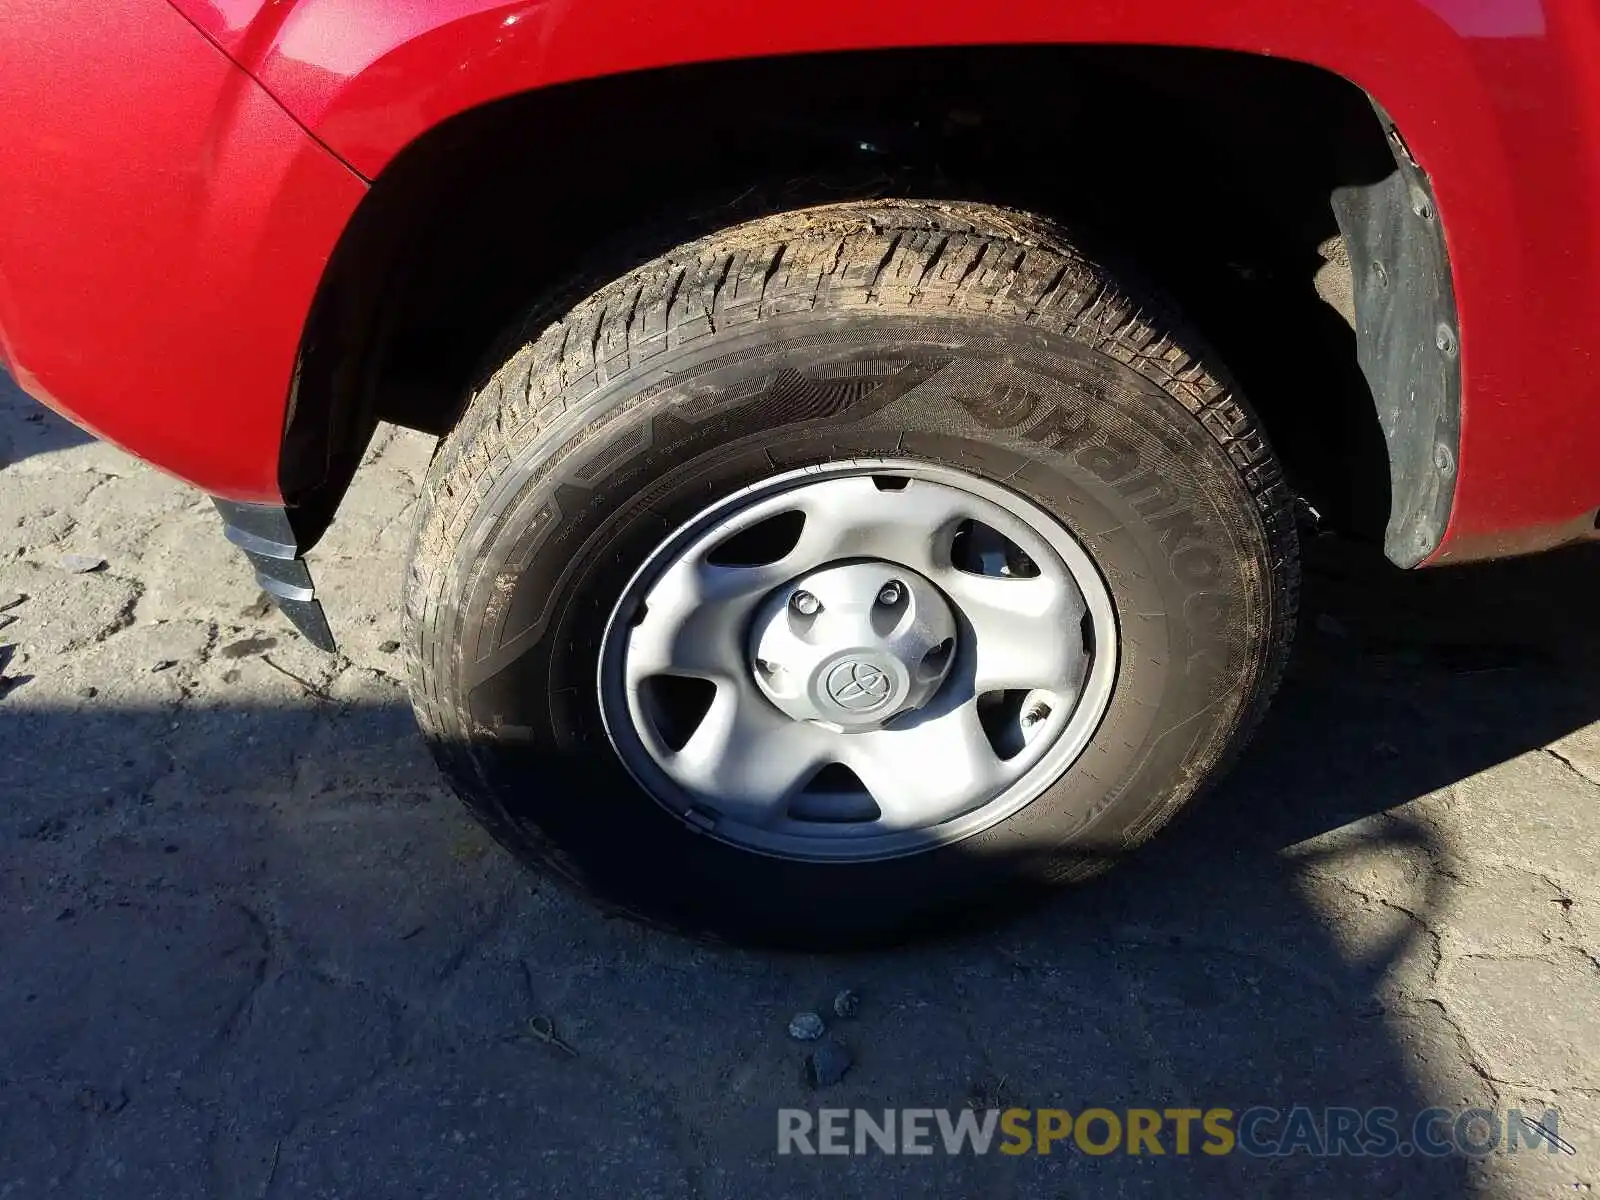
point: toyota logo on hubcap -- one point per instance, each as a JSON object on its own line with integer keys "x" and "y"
{"x": 858, "y": 686}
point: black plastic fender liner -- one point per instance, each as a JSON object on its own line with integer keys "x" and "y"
{"x": 268, "y": 540}
{"x": 1408, "y": 344}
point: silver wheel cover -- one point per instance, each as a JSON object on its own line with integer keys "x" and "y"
{"x": 953, "y": 692}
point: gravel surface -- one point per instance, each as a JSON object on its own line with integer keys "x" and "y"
{"x": 249, "y": 946}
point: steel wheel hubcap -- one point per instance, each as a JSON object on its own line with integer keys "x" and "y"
{"x": 858, "y": 661}
{"x": 853, "y": 646}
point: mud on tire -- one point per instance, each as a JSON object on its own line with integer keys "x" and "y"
{"x": 959, "y": 335}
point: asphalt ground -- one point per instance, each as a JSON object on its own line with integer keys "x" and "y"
{"x": 250, "y": 946}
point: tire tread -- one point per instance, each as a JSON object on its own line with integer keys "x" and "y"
{"x": 888, "y": 255}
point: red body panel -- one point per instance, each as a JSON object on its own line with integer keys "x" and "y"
{"x": 163, "y": 227}
{"x": 1498, "y": 99}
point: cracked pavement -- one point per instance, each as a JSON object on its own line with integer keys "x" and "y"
{"x": 250, "y": 946}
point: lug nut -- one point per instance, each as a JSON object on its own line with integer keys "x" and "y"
{"x": 890, "y": 594}
{"x": 805, "y": 604}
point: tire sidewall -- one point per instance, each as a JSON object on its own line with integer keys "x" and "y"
{"x": 1138, "y": 479}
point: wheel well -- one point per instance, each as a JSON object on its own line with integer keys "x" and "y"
{"x": 1209, "y": 173}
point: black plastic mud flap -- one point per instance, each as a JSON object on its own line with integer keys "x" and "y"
{"x": 1407, "y": 334}
{"x": 263, "y": 532}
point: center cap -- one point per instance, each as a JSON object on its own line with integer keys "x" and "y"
{"x": 853, "y": 645}
{"x": 859, "y": 686}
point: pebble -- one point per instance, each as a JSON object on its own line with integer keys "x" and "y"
{"x": 806, "y": 1027}
{"x": 827, "y": 1064}
{"x": 846, "y": 1003}
{"x": 82, "y": 564}
{"x": 165, "y": 664}
{"x": 388, "y": 647}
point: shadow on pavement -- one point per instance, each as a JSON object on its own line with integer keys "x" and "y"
{"x": 40, "y": 431}
{"x": 258, "y": 951}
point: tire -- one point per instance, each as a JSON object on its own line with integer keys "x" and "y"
{"x": 966, "y": 338}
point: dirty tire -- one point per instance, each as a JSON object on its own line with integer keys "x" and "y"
{"x": 960, "y": 335}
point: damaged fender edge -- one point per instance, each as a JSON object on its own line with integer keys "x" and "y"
{"x": 268, "y": 540}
